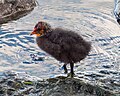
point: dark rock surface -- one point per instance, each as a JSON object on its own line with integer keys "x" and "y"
{"x": 13, "y": 84}
{"x": 14, "y": 9}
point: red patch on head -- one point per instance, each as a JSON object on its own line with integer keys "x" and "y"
{"x": 40, "y": 25}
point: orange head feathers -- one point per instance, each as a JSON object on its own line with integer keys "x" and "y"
{"x": 41, "y": 28}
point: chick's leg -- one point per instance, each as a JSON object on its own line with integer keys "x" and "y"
{"x": 71, "y": 74}
{"x": 65, "y": 68}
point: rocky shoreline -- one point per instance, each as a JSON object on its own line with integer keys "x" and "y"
{"x": 17, "y": 84}
{"x": 15, "y": 9}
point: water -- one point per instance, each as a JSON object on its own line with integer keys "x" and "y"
{"x": 94, "y": 20}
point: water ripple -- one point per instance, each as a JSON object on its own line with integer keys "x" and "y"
{"x": 93, "y": 20}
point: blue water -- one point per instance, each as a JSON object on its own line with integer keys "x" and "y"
{"x": 94, "y": 20}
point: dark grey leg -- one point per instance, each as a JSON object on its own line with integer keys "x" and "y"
{"x": 65, "y": 68}
{"x": 71, "y": 74}
{"x": 72, "y": 66}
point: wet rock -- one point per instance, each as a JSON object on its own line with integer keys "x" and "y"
{"x": 14, "y": 9}
{"x": 73, "y": 87}
{"x": 2, "y": 90}
{"x": 27, "y": 91}
{"x": 10, "y": 91}
{"x": 58, "y": 86}
{"x": 10, "y": 83}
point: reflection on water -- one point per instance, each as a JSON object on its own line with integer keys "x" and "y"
{"x": 94, "y": 20}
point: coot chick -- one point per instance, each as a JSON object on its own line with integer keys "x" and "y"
{"x": 64, "y": 45}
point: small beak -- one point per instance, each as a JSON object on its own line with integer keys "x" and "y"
{"x": 34, "y": 32}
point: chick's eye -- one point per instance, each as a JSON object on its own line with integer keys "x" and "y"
{"x": 38, "y": 29}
